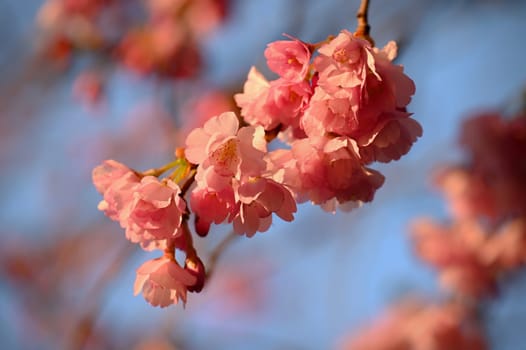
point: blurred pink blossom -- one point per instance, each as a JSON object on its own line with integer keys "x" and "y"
{"x": 416, "y": 326}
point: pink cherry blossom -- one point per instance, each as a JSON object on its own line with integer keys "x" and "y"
{"x": 363, "y": 95}
{"x": 218, "y": 133}
{"x": 456, "y": 252}
{"x": 163, "y": 282}
{"x": 287, "y": 100}
{"x": 390, "y": 140}
{"x": 467, "y": 195}
{"x": 496, "y": 146}
{"x": 211, "y": 207}
{"x": 117, "y": 183}
{"x": 332, "y": 169}
{"x": 155, "y": 214}
{"x": 282, "y": 168}
{"x": 279, "y": 102}
{"x": 344, "y": 62}
{"x": 289, "y": 58}
{"x": 328, "y": 113}
{"x": 398, "y": 88}
{"x": 107, "y": 173}
{"x": 259, "y": 198}
{"x": 223, "y": 152}
{"x": 253, "y": 101}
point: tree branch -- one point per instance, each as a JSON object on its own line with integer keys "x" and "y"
{"x": 363, "y": 29}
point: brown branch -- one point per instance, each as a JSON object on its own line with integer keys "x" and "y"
{"x": 189, "y": 181}
{"x": 363, "y": 28}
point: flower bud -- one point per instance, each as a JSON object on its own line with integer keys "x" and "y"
{"x": 196, "y": 267}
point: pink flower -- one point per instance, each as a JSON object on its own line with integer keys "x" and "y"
{"x": 332, "y": 114}
{"x": 218, "y": 133}
{"x": 282, "y": 168}
{"x": 467, "y": 195}
{"x": 211, "y": 207}
{"x": 155, "y": 214}
{"x": 287, "y": 100}
{"x": 390, "y": 140}
{"x": 259, "y": 198}
{"x": 288, "y": 58}
{"x": 107, "y": 173}
{"x": 456, "y": 252}
{"x": 270, "y": 105}
{"x": 231, "y": 177}
{"x": 163, "y": 282}
{"x": 344, "y": 62}
{"x": 162, "y": 48}
{"x": 223, "y": 152}
{"x": 253, "y": 101}
{"x": 362, "y": 95}
{"x": 496, "y": 147}
{"x": 397, "y": 86}
{"x": 116, "y": 182}
{"x": 332, "y": 169}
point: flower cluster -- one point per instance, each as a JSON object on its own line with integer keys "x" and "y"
{"x": 151, "y": 211}
{"x": 336, "y": 112}
{"x": 163, "y": 40}
{"x": 340, "y": 105}
{"x": 495, "y": 148}
{"x": 232, "y": 179}
{"x": 468, "y": 257}
{"x": 487, "y": 237}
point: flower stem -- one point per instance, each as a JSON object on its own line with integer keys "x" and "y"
{"x": 188, "y": 182}
{"x": 316, "y": 46}
{"x": 189, "y": 249}
{"x": 159, "y": 171}
{"x": 218, "y": 250}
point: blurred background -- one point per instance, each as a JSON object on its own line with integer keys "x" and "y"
{"x": 84, "y": 81}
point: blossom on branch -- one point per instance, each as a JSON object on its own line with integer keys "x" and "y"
{"x": 148, "y": 209}
{"x": 258, "y": 198}
{"x": 116, "y": 182}
{"x": 337, "y": 106}
{"x": 289, "y": 59}
{"x": 163, "y": 282}
{"x": 155, "y": 214}
{"x": 232, "y": 166}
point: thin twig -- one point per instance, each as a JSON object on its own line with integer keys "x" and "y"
{"x": 219, "y": 249}
{"x": 186, "y": 186}
{"x": 84, "y": 326}
{"x": 363, "y": 28}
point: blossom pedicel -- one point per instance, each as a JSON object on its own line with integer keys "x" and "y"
{"x": 338, "y": 106}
